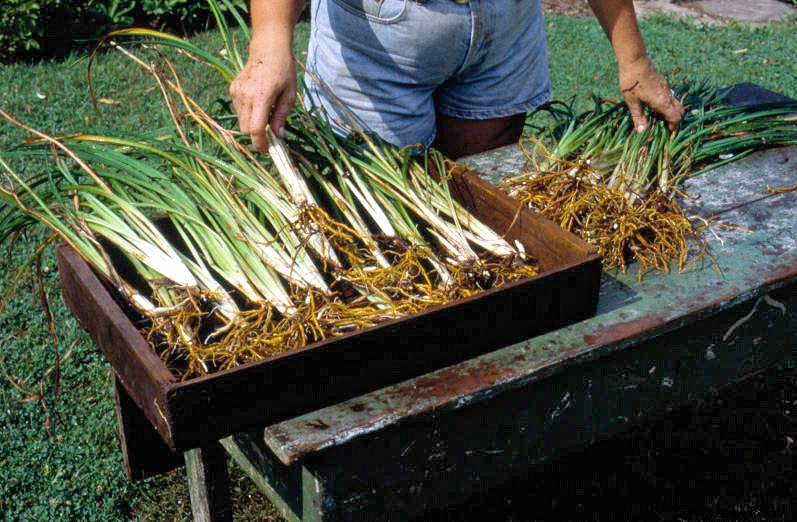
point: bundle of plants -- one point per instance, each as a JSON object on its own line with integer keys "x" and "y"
{"x": 619, "y": 189}
{"x": 228, "y": 256}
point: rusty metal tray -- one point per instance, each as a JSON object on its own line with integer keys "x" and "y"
{"x": 190, "y": 413}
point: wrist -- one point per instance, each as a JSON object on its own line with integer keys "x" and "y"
{"x": 268, "y": 41}
{"x": 630, "y": 70}
{"x": 273, "y": 23}
{"x": 633, "y": 60}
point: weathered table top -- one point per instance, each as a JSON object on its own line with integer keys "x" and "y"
{"x": 755, "y": 248}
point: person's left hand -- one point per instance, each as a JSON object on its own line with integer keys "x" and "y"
{"x": 642, "y": 86}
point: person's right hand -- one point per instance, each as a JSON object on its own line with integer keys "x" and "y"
{"x": 264, "y": 92}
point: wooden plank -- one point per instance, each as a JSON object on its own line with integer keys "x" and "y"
{"x": 441, "y": 456}
{"x": 208, "y": 484}
{"x": 770, "y": 223}
{"x": 404, "y": 470}
{"x": 755, "y": 260}
{"x": 134, "y": 362}
{"x": 143, "y": 450}
{"x": 541, "y": 237}
{"x": 741, "y": 182}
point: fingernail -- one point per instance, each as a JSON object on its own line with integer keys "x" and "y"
{"x": 281, "y": 132}
{"x": 639, "y": 128}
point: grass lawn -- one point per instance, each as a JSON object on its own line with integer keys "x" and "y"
{"x": 59, "y": 458}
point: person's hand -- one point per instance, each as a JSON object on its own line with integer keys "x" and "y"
{"x": 264, "y": 92}
{"x": 642, "y": 86}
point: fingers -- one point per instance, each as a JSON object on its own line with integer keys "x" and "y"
{"x": 653, "y": 92}
{"x": 672, "y": 112}
{"x": 666, "y": 105}
{"x": 252, "y": 107}
{"x": 281, "y": 110}
{"x": 642, "y": 86}
{"x": 637, "y": 111}
{"x": 256, "y": 126}
{"x": 263, "y": 94}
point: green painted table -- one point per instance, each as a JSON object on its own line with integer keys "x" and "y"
{"x": 434, "y": 440}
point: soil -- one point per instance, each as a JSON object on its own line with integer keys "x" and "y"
{"x": 579, "y": 8}
{"x": 702, "y": 11}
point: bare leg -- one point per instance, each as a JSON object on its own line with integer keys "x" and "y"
{"x": 457, "y": 137}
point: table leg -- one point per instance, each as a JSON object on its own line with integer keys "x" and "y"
{"x": 285, "y": 486}
{"x": 208, "y": 484}
{"x": 143, "y": 450}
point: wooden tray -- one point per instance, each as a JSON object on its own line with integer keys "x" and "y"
{"x": 204, "y": 409}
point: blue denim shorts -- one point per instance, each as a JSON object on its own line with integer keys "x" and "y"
{"x": 389, "y": 66}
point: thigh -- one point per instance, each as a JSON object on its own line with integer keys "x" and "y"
{"x": 457, "y": 137}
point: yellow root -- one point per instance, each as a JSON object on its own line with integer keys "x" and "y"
{"x": 364, "y": 295}
{"x": 652, "y": 229}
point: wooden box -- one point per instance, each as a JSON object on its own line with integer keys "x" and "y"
{"x": 200, "y": 410}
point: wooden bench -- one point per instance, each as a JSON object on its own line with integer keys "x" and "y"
{"x": 654, "y": 343}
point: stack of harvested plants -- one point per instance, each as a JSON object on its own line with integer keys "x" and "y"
{"x": 618, "y": 189}
{"x": 234, "y": 256}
